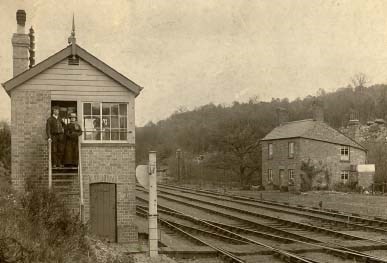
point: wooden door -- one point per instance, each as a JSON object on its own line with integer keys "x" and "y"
{"x": 103, "y": 210}
{"x": 282, "y": 179}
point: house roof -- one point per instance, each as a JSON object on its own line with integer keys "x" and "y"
{"x": 311, "y": 129}
{"x": 63, "y": 54}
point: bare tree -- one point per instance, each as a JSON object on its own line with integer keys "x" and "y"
{"x": 359, "y": 80}
{"x": 237, "y": 147}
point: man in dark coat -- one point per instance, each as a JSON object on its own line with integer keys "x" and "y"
{"x": 55, "y": 133}
{"x": 72, "y": 132}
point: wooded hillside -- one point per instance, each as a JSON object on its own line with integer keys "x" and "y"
{"x": 227, "y": 136}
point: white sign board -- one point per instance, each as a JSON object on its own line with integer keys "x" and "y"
{"x": 366, "y": 168}
{"x": 142, "y": 175}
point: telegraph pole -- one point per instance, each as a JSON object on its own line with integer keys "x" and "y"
{"x": 178, "y": 157}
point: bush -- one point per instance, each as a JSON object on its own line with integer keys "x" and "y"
{"x": 36, "y": 227}
{"x": 349, "y": 187}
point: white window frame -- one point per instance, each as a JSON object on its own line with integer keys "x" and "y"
{"x": 270, "y": 175}
{"x": 291, "y": 174}
{"x": 270, "y": 151}
{"x": 100, "y": 115}
{"x": 344, "y": 153}
{"x": 344, "y": 176}
{"x": 291, "y": 150}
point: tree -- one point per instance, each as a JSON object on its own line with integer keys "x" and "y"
{"x": 359, "y": 80}
{"x": 237, "y": 148}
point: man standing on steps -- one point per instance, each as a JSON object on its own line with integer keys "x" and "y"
{"x": 55, "y": 133}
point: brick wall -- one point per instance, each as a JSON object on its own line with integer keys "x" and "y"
{"x": 29, "y": 112}
{"x": 322, "y": 154}
{"x": 113, "y": 163}
{"x": 280, "y": 161}
{"x": 329, "y": 154}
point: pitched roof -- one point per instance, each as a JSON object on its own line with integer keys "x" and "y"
{"x": 64, "y": 53}
{"x": 311, "y": 129}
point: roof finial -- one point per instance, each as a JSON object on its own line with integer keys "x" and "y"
{"x": 73, "y": 31}
{"x": 72, "y": 40}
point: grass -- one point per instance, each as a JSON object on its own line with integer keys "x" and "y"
{"x": 369, "y": 205}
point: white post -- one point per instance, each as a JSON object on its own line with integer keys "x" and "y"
{"x": 81, "y": 204}
{"x": 49, "y": 165}
{"x": 152, "y": 217}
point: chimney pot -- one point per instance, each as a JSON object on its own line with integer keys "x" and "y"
{"x": 318, "y": 111}
{"x": 282, "y": 116}
{"x": 21, "y": 17}
{"x": 21, "y": 45}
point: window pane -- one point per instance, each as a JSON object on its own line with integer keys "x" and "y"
{"x": 96, "y": 135}
{"x": 114, "y": 122}
{"x": 123, "y": 109}
{"x": 114, "y": 109}
{"x": 96, "y": 122}
{"x": 88, "y": 123}
{"x": 115, "y": 135}
{"x": 106, "y": 135}
{"x": 95, "y": 109}
{"x": 105, "y": 109}
{"x": 123, "y": 122}
{"x": 88, "y": 135}
{"x": 105, "y": 121}
{"x": 86, "y": 108}
{"x": 123, "y": 135}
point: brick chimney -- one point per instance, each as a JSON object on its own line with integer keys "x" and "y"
{"x": 282, "y": 116}
{"x": 21, "y": 45}
{"x": 318, "y": 111}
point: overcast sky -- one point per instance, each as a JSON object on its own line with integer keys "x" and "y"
{"x": 190, "y": 53}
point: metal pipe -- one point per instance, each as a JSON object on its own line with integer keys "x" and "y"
{"x": 152, "y": 216}
{"x": 49, "y": 165}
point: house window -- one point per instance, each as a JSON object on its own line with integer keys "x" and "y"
{"x": 344, "y": 153}
{"x": 270, "y": 175}
{"x": 291, "y": 174}
{"x": 105, "y": 121}
{"x": 270, "y": 151}
{"x": 291, "y": 149}
{"x": 344, "y": 176}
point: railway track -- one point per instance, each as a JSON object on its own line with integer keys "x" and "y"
{"x": 222, "y": 253}
{"x": 316, "y": 218}
{"x": 234, "y": 233}
{"x": 270, "y": 204}
{"x": 275, "y": 223}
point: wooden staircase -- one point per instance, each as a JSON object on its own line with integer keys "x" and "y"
{"x": 65, "y": 180}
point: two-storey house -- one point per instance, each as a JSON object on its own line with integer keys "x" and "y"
{"x": 308, "y": 152}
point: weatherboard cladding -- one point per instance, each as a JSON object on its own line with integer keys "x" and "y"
{"x": 310, "y": 129}
{"x": 64, "y": 54}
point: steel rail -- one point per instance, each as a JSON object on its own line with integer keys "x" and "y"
{"x": 330, "y": 220}
{"x": 221, "y": 252}
{"x": 342, "y": 252}
{"x": 281, "y": 239}
{"x": 282, "y": 254}
{"x": 329, "y": 212}
{"x": 270, "y": 229}
{"x": 272, "y": 218}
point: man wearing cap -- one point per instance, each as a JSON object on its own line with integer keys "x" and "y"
{"x": 55, "y": 133}
{"x": 72, "y": 132}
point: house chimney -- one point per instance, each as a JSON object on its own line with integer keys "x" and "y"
{"x": 354, "y": 125}
{"x": 21, "y": 45}
{"x": 282, "y": 116}
{"x": 318, "y": 111}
